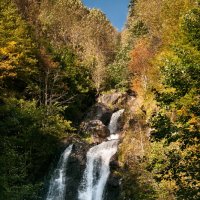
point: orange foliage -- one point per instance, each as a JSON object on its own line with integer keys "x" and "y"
{"x": 47, "y": 60}
{"x": 140, "y": 64}
{"x": 140, "y": 57}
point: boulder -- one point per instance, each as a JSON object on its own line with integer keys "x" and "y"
{"x": 99, "y": 112}
{"x": 98, "y": 130}
{"x": 75, "y": 168}
{"x": 115, "y": 100}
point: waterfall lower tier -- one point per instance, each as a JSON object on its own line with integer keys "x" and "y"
{"x": 97, "y": 170}
{"x": 94, "y": 175}
{"x": 58, "y": 180}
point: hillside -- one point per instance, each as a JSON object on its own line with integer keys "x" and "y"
{"x": 59, "y": 59}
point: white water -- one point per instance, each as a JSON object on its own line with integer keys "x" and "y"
{"x": 113, "y": 125}
{"x": 58, "y": 180}
{"x": 97, "y": 167}
{"x": 97, "y": 170}
{"x": 113, "y": 137}
{"x": 113, "y": 121}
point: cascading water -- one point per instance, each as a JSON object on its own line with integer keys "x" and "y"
{"x": 113, "y": 125}
{"x": 97, "y": 167}
{"x": 58, "y": 180}
{"x": 97, "y": 170}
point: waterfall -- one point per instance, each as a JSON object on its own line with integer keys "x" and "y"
{"x": 58, "y": 180}
{"x": 113, "y": 125}
{"x": 97, "y": 168}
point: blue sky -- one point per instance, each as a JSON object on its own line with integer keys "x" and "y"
{"x": 116, "y": 10}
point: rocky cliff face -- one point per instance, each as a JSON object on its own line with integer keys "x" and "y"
{"x": 98, "y": 117}
{"x": 113, "y": 100}
{"x": 96, "y": 123}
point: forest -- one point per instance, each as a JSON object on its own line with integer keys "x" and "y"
{"x": 57, "y": 57}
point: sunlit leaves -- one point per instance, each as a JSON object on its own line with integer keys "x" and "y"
{"x": 191, "y": 26}
{"x": 17, "y": 50}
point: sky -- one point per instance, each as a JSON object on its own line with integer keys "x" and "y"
{"x": 115, "y": 10}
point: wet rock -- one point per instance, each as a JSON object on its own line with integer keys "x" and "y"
{"x": 120, "y": 123}
{"x": 114, "y": 165}
{"x": 98, "y": 130}
{"x": 75, "y": 169}
{"x": 99, "y": 112}
{"x": 114, "y": 180}
{"x": 112, "y": 189}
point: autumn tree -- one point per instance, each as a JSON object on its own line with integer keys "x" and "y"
{"x": 162, "y": 22}
{"x": 119, "y": 72}
{"x": 141, "y": 63}
{"x": 87, "y": 32}
{"x": 165, "y": 61}
{"x": 177, "y": 122}
{"x": 17, "y": 49}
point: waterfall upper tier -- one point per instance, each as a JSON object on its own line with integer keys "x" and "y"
{"x": 113, "y": 125}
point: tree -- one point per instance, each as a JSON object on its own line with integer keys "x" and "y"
{"x": 178, "y": 121}
{"x": 28, "y": 141}
{"x": 87, "y": 32}
{"x": 17, "y": 49}
{"x": 162, "y": 22}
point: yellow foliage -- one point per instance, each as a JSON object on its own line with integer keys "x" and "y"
{"x": 162, "y": 22}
